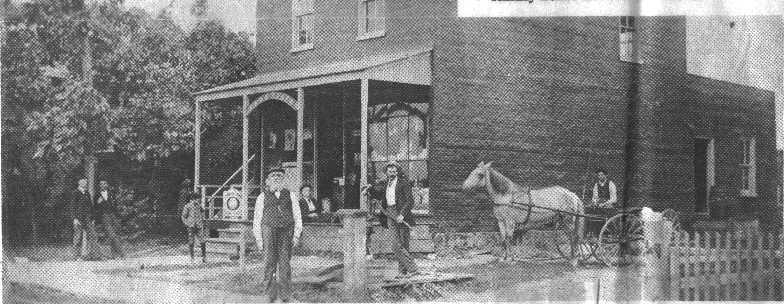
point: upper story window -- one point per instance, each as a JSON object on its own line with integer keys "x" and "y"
{"x": 628, "y": 47}
{"x": 748, "y": 168}
{"x": 371, "y": 19}
{"x": 301, "y": 25}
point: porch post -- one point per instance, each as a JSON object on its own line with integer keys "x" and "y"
{"x": 363, "y": 139}
{"x": 300, "y": 132}
{"x": 197, "y": 146}
{"x": 245, "y": 103}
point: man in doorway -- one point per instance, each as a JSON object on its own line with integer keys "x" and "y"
{"x": 81, "y": 209}
{"x": 277, "y": 224}
{"x": 106, "y": 217}
{"x": 604, "y": 191}
{"x": 396, "y": 198}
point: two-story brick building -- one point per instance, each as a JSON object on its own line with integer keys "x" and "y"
{"x": 345, "y": 86}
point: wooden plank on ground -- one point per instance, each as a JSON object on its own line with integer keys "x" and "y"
{"x": 427, "y": 278}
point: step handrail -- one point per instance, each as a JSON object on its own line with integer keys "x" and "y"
{"x": 230, "y": 178}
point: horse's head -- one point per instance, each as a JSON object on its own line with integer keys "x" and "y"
{"x": 478, "y": 177}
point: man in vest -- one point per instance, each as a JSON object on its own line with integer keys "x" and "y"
{"x": 604, "y": 191}
{"x": 277, "y": 224}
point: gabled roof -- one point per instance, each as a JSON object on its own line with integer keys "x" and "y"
{"x": 353, "y": 65}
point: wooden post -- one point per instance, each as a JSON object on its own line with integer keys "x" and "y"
{"x": 243, "y": 243}
{"x": 656, "y": 269}
{"x": 355, "y": 272}
{"x": 245, "y": 104}
{"x": 197, "y": 147}
{"x": 89, "y": 172}
{"x": 300, "y": 135}
{"x": 363, "y": 138}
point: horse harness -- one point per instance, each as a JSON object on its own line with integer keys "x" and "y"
{"x": 530, "y": 206}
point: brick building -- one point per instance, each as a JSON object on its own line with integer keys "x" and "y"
{"x": 345, "y": 86}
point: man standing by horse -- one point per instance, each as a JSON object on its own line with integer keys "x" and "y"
{"x": 397, "y": 201}
{"x": 604, "y": 191}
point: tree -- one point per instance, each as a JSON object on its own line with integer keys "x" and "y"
{"x": 126, "y": 82}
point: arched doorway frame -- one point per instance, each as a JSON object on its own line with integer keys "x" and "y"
{"x": 285, "y": 98}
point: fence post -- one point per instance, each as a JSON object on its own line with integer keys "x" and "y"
{"x": 354, "y": 238}
{"x": 656, "y": 268}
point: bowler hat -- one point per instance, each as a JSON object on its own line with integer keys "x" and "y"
{"x": 393, "y": 163}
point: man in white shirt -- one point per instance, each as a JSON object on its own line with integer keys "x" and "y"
{"x": 395, "y": 196}
{"x": 604, "y": 191}
{"x": 277, "y": 225}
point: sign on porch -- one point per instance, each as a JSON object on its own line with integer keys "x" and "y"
{"x": 234, "y": 207}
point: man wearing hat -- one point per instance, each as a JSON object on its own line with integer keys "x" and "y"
{"x": 192, "y": 216}
{"x": 277, "y": 224}
{"x": 397, "y": 200}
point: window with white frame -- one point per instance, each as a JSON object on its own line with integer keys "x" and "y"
{"x": 627, "y": 34}
{"x": 748, "y": 168}
{"x": 371, "y": 19}
{"x": 301, "y": 25}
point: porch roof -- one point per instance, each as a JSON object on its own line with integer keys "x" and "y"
{"x": 407, "y": 66}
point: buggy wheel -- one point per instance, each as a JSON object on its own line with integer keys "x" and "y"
{"x": 621, "y": 240}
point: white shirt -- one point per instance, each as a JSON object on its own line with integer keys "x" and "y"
{"x": 258, "y": 214}
{"x": 613, "y": 195}
{"x": 391, "y": 186}
{"x": 311, "y": 206}
{"x": 105, "y": 195}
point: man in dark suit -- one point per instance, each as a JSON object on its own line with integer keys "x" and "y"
{"x": 81, "y": 209}
{"x": 396, "y": 198}
{"x": 106, "y": 216}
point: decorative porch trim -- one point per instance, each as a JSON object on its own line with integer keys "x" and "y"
{"x": 286, "y": 98}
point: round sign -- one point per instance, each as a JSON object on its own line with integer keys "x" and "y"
{"x": 233, "y": 203}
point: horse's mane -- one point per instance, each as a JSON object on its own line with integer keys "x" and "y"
{"x": 500, "y": 183}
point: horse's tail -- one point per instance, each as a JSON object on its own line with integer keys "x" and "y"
{"x": 578, "y": 208}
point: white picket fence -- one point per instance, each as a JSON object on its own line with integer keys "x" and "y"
{"x": 726, "y": 266}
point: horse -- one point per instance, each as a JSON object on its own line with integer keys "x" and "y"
{"x": 512, "y": 205}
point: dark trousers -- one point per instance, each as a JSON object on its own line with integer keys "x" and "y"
{"x": 277, "y": 257}
{"x": 400, "y": 240}
{"x": 78, "y": 238}
{"x": 110, "y": 225}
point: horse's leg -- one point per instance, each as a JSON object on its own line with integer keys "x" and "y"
{"x": 503, "y": 229}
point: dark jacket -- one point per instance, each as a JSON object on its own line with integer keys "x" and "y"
{"x": 105, "y": 207}
{"x": 303, "y": 207}
{"x": 403, "y": 196}
{"x": 81, "y": 207}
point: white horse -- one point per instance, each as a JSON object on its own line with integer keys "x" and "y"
{"x": 512, "y": 205}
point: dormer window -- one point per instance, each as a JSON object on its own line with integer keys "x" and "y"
{"x": 627, "y": 47}
{"x": 301, "y": 25}
{"x": 371, "y": 19}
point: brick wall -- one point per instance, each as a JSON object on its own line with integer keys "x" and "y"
{"x": 547, "y": 100}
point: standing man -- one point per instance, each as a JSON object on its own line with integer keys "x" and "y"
{"x": 277, "y": 224}
{"x": 604, "y": 191}
{"x": 397, "y": 200}
{"x": 81, "y": 209}
{"x": 106, "y": 216}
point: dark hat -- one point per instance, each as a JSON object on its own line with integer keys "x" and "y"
{"x": 393, "y": 163}
{"x": 275, "y": 169}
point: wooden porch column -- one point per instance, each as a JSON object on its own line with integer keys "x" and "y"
{"x": 245, "y": 104}
{"x": 300, "y": 132}
{"x": 363, "y": 138}
{"x": 197, "y": 146}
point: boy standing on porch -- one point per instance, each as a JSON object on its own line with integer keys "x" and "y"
{"x": 277, "y": 224}
{"x": 396, "y": 198}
